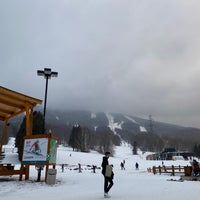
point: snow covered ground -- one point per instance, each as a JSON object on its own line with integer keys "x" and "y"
{"x": 72, "y": 185}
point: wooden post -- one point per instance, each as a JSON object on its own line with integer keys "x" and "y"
{"x": 22, "y": 171}
{"x": 173, "y": 171}
{"x": 29, "y": 122}
{"x": 3, "y": 135}
{"x": 47, "y": 169}
{"x": 159, "y": 168}
{"x": 154, "y": 169}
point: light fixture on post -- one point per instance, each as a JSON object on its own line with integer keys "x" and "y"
{"x": 47, "y": 74}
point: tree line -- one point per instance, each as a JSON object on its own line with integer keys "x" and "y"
{"x": 81, "y": 138}
{"x": 197, "y": 150}
{"x": 102, "y": 139}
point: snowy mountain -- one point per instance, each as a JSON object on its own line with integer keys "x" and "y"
{"x": 115, "y": 121}
{"x": 127, "y": 127}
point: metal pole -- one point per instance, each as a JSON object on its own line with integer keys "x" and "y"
{"x": 45, "y": 102}
{"x": 47, "y": 74}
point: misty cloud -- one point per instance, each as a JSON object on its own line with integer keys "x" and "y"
{"x": 136, "y": 57}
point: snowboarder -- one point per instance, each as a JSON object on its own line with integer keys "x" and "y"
{"x": 108, "y": 174}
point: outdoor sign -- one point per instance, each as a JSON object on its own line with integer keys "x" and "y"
{"x": 35, "y": 151}
{"x": 53, "y": 151}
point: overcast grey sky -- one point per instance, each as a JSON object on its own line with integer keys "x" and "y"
{"x": 138, "y": 57}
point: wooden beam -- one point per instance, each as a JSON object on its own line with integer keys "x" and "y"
{"x": 3, "y": 135}
{"x": 11, "y": 102}
{"x": 5, "y": 116}
{"x": 17, "y": 113}
{"x": 2, "y": 118}
{"x": 19, "y": 96}
{"x": 2, "y": 110}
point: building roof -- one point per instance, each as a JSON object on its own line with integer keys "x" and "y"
{"x": 13, "y": 103}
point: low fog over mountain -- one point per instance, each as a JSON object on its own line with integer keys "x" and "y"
{"x": 128, "y": 128}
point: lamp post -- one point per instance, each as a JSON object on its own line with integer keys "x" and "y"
{"x": 47, "y": 74}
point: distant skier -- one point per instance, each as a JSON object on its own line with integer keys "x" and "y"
{"x": 196, "y": 168}
{"x": 122, "y": 166}
{"x": 136, "y": 166}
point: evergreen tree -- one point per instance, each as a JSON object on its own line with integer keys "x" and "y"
{"x": 79, "y": 139}
{"x": 37, "y": 129}
{"x": 85, "y": 140}
{"x": 134, "y": 148}
{"x": 197, "y": 150}
{"x": 74, "y": 139}
{"x": 38, "y": 121}
{"x": 105, "y": 141}
{"x": 19, "y": 142}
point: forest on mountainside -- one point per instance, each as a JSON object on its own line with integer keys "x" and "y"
{"x": 97, "y": 131}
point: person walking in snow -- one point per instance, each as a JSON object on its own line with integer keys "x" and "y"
{"x": 122, "y": 166}
{"x": 196, "y": 168}
{"x": 108, "y": 174}
{"x": 136, "y": 166}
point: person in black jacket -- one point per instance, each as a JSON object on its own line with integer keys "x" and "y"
{"x": 108, "y": 180}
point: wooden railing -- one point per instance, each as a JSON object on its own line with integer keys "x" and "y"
{"x": 8, "y": 170}
{"x": 172, "y": 170}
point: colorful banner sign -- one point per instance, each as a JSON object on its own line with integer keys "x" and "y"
{"x": 35, "y": 151}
